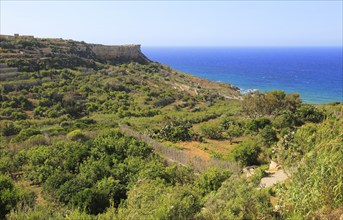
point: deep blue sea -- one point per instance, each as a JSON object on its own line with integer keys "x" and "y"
{"x": 314, "y": 73}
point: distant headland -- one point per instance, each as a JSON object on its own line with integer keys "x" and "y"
{"x": 41, "y": 48}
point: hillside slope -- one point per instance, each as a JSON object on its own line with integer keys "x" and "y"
{"x": 33, "y": 54}
{"x": 101, "y": 132}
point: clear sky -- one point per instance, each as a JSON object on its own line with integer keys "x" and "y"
{"x": 179, "y": 23}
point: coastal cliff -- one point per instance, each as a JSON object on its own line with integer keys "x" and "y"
{"x": 124, "y": 53}
{"x": 31, "y": 54}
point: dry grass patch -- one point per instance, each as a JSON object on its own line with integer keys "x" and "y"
{"x": 208, "y": 147}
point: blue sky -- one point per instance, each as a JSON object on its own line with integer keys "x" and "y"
{"x": 179, "y": 23}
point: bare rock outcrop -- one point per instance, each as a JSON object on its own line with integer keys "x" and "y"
{"x": 120, "y": 53}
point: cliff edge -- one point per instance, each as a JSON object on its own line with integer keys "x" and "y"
{"x": 122, "y": 53}
{"x": 32, "y": 54}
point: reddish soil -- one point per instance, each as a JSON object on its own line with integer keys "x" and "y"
{"x": 191, "y": 147}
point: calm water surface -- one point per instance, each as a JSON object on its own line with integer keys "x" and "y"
{"x": 314, "y": 73}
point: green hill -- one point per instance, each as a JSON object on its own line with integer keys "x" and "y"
{"x": 102, "y": 132}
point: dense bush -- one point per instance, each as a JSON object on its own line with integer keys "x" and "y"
{"x": 237, "y": 199}
{"x": 257, "y": 124}
{"x": 9, "y": 129}
{"x": 287, "y": 119}
{"x": 268, "y": 135}
{"x": 17, "y": 102}
{"x": 246, "y": 153}
{"x": 310, "y": 114}
{"x": 8, "y": 195}
{"x": 161, "y": 102}
{"x": 25, "y": 134}
{"x": 211, "y": 180}
{"x": 234, "y": 130}
{"x": 76, "y": 135}
{"x": 173, "y": 131}
{"x": 269, "y": 103}
{"x": 88, "y": 175}
{"x": 212, "y": 130}
{"x": 16, "y": 115}
{"x": 156, "y": 200}
{"x": 296, "y": 144}
{"x": 36, "y": 140}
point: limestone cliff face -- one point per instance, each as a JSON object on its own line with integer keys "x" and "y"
{"x": 120, "y": 53}
{"x": 24, "y": 45}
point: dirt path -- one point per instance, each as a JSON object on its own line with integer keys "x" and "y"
{"x": 276, "y": 175}
{"x": 273, "y": 179}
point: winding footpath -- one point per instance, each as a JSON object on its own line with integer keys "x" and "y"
{"x": 276, "y": 175}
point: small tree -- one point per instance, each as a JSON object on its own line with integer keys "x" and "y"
{"x": 211, "y": 180}
{"x": 77, "y": 135}
{"x": 8, "y": 196}
{"x": 173, "y": 131}
{"x": 270, "y": 103}
{"x": 256, "y": 124}
{"x": 234, "y": 130}
{"x": 268, "y": 135}
{"x": 246, "y": 153}
{"x": 212, "y": 131}
{"x": 310, "y": 113}
{"x": 10, "y": 129}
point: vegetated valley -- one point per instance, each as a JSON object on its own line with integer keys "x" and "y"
{"x": 86, "y": 136}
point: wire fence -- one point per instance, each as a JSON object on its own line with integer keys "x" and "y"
{"x": 174, "y": 155}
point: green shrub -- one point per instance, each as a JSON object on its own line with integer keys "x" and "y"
{"x": 9, "y": 129}
{"x": 8, "y": 195}
{"x": 287, "y": 119}
{"x": 43, "y": 212}
{"x": 269, "y": 103}
{"x": 6, "y": 163}
{"x": 38, "y": 139}
{"x": 246, "y": 153}
{"x": 226, "y": 122}
{"x": 234, "y": 130}
{"x": 65, "y": 124}
{"x": 155, "y": 200}
{"x": 91, "y": 200}
{"x": 268, "y": 135}
{"x": 25, "y": 134}
{"x": 173, "y": 131}
{"x": 237, "y": 199}
{"x": 212, "y": 131}
{"x": 211, "y": 180}
{"x": 87, "y": 121}
{"x": 18, "y": 115}
{"x": 94, "y": 174}
{"x": 164, "y": 101}
{"x": 310, "y": 113}
{"x": 77, "y": 135}
{"x": 298, "y": 143}
{"x": 256, "y": 124}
